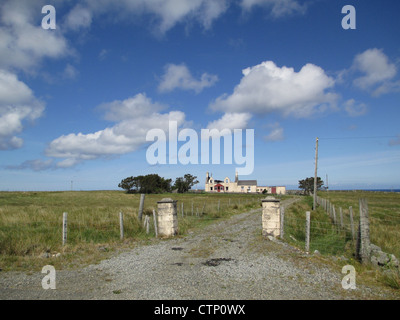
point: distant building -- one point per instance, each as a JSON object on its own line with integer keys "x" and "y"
{"x": 238, "y": 186}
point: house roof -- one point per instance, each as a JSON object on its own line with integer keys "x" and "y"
{"x": 247, "y": 183}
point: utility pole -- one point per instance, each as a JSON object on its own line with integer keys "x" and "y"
{"x": 327, "y": 186}
{"x": 315, "y": 175}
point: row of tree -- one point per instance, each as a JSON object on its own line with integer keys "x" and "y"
{"x": 153, "y": 183}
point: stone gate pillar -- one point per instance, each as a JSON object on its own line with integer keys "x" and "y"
{"x": 167, "y": 220}
{"x": 271, "y": 218}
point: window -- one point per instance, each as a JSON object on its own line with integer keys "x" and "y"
{"x": 226, "y": 188}
{"x": 210, "y": 188}
{"x": 226, "y": 181}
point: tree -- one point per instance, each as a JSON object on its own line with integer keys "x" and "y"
{"x": 127, "y": 184}
{"x": 308, "y": 185}
{"x": 185, "y": 183}
{"x": 151, "y": 183}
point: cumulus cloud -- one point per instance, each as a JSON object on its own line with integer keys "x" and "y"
{"x": 17, "y": 105}
{"x": 267, "y": 88}
{"x": 23, "y": 42}
{"x": 231, "y": 121}
{"x": 377, "y": 72}
{"x": 179, "y": 77}
{"x": 79, "y": 17}
{"x": 134, "y": 117}
{"x": 279, "y": 8}
{"x": 165, "y": 14}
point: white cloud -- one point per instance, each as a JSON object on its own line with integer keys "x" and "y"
{"x": 378, "y": 72}
{"x": 279, "y": 8}
{"x": 23, "y": 42}
{"x": 79, "y": 17}
{"x": 165, "y": 14}
{"x": 138, "y": 106}
{"x": 35, "y": 165}
{"x": 355, "y": 109}
{"x": 276, "y": 133}
{"x": 70, "y": 72}
{"x": 134, "y": 118}
{"x": 179, "y": 77}
{"x": 267, "y": 88}
{"x": 231, "y": 121}
{"x": 17, "y": 105}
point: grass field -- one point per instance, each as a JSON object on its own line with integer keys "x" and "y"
{"x": 384, "y": 215}
{"x": 31, "y": 223}
{"x": 330, "y": 239}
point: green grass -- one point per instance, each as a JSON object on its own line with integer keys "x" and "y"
{"x": 31, "y": 223}
{"x": 333, "y": 240}
{"x": 384, "y": 213}
{"x": 324, "y": 236}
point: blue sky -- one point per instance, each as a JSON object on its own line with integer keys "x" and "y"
{"x": 76, "y": 102}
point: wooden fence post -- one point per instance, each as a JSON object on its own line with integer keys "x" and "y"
{"x": 341, "y": 217}
{"x": 147, "y": 219}
{"x": 155, "y": 222}
{"x": 334, "y": 214}
{"x": 64, "y": 230}
{"x": 308, "y": 223}
{"x": 351, "y": 222}
{"x": 282, "y": 222}
{"x": 141, "y": 205}
{"x": 121, "y": 225}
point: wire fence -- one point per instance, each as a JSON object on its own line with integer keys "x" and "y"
{"x": 337, "y": 230}
{"x": 328, "y": 232}
{"x": 144, "y": 220}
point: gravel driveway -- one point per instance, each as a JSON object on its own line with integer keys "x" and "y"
{"x": 228, "y": 260}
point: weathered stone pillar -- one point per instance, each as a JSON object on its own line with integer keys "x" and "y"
{"x": 271, "y": 218}
{"x": 167, "y": 220}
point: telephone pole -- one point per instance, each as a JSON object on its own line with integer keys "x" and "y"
{"x": 315, "y": 175}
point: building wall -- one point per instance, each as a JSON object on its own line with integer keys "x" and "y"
{"x": 279, "y": 190}
{"x": 232, "y": 186}
{"x": 235, "y": 188}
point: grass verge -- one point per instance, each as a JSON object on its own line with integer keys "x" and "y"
{"x": 31, "y": 223}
